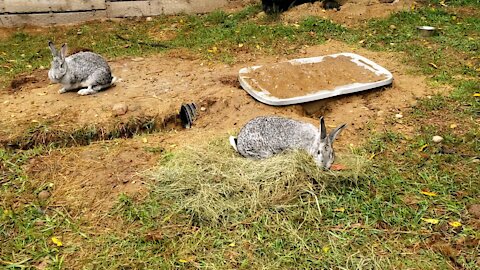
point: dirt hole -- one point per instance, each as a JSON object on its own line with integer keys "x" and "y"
{"x": 231, "y": 80}
{"x": 28, "y": 81}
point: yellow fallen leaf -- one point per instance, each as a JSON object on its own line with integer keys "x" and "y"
{"x": 428, "y": 193}
{"x": 372, "y": 156}
{"x": 431, "y": 220}
{"x": 7, "y": 214}
{"x": 57, "y": 241}
{"x": 455, "y": 224}
{"x": 452, "y": 126}
{"x": 240, "y": 45}
{"x": 213, "y": 50}
{"x": 183, "y": 261}
{"x": 231, "y": 244}
{"x": 144, "y": 140}
{"x": 258, "y": 47}
{"x": 326, "y": 249}
{"x": 340, "y": 209}
{"x": 423, "y": 147}
{"x": 476, "y": 95}
{"x": 433, "y": 65}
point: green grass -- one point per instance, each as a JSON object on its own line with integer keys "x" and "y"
{"x": 209, "y": 208}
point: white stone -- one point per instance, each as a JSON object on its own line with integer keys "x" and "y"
{"x": 437, "y": 139}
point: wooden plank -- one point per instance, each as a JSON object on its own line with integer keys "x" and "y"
{"x": 30, "y": 6}
{"x": 11, "y": 20}
{"x": 185, "y": 6}
{"x": 128, "y": 9}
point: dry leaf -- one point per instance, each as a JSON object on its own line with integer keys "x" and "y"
{"x": 476, "y": 95}
{"x": 452, "y": 126}
{"x": 337, "y": 167}
{"x": 144, "y": 140}
{"x": 231, "y": 244}
{"x": 433, "y": 65}
{"x": 431, "y": 220}
{"x": 428, "y": 193}
{"x": 183, "y": 261}
{"x": 340, "y": 209}
{"x": 213, "y": 50}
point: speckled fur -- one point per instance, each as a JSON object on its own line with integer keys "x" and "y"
{"x": 265, "y": 136}
{"x": 80, "y": 70}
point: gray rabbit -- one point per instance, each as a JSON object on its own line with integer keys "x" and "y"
{"x": 80, "y": 70}
{"x": 265, "y": 136}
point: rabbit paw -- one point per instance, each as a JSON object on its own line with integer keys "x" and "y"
{"x": 62, "y": 90}
{"x": 86, "y": 91}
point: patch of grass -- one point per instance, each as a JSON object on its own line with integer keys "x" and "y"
{"x": 26, "y": 227}
{"x": 208, "y": 207}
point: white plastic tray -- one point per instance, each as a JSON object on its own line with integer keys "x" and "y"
{"x": 264, "y": 96}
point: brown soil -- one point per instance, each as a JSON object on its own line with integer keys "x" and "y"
{"x": 88, "y": 180}
{"x": 288, "y": 80}
{"x": 352, "y": 12}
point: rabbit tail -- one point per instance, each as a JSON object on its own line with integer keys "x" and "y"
{"x": 114, "y": 80}
{"x": 233, "y": 142}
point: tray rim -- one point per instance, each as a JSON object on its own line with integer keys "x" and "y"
{"x": 263, "y": 96}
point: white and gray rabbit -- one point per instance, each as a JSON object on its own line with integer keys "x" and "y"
{"x": 86, "y": 71}
{"x": 265, "y": 136}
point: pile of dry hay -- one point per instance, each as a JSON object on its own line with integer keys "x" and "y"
{"x": 213, "y": 184}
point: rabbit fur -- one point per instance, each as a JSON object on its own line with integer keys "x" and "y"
{"x": 86, "y": 71}
{"x": 265, "y": 136}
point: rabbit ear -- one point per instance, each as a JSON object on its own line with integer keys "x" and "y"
{"x": 333, "y": 135}
{"x": 323, "y": 129}
{"x": 52, "y": 48}
{"x": 63, "y": 51}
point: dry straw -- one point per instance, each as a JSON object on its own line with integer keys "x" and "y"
{"x": 213, "y": 184}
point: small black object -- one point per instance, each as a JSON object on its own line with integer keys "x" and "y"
{"x": 188, "y": 114}
{"x": 331, "y": 4}
{"x": 277, "y": 6}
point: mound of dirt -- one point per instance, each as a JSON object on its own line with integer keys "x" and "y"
{"x": 352, "y": 12}
{"x": 152, "y": 87}
{"x": 287, "y": 80}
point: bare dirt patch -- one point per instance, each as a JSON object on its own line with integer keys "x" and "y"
{"x": 352, "y": 12}
{"x": 287, "y": 80}
{"x": 86, "y": 181}
{"x": 157, "y": 86}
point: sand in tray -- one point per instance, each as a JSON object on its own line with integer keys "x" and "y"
{"x": 287, "y": 80}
